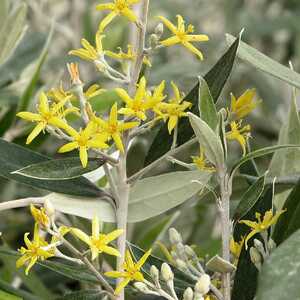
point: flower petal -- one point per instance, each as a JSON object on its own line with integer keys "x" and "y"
{"x": 83, "y": 156}
{"x": 114, "y": 274}
{"x": 118, "y": 141}
{"x": 113, "y": 235}
{"x": 193, "y": 49}
{"x": 106, "y": 21}
{"x": 81, "y": 235}
{"x": 197, "y": 38}
{"x": 35, "y": 132}
{"x": 143, "y": 259}
{"x": 129, "y": 14}
{"x": 28, "y": 116}
{"x": 122, "y": 285}
{"x": 111, "y": 251}
{"x": 168, "y": 24}
{"x": 68, "y": 147}
{"x": 171, "y": 41}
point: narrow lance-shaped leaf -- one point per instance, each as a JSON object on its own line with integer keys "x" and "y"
{"x": 13, "y": 29}
{"x": 265, "y": 63}
{"x": 279, "y": 277}
{"x": 259, "y": 153}
{"x": 59, "y": 169}
{"x": 14, "y": 157}
{"x": 215, "y": 79}
{"x": 207, "y": 107}
{"x": 208, "y": 140}
{"x": 249, "y": 198}
{"x": 289, "y": 221}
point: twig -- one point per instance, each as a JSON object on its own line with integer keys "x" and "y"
{"x": 148, "y": 168}
{"x": 20, "y": 203}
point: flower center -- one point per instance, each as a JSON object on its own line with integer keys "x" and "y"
{"x": 121, "y": 4}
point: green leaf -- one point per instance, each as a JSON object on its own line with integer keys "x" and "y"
{"x": 249, "y": 198}
{"x": 17, "y": 292}
{"x": 14, "y": 157}
{"x": 82, "y": 295}
{"x": 6, "y": 296}
{"x": 61, "y": 169}
{"x": 207, "y": 107}
{"x": 153, "y": 196}
{"x": 11, "y": 32}
{"x": 67, "y": 269}
{"x": 215, "y": 79}
{"x": 286, "y": 162}
{"x": 245, "y": 280}
{"x": 265, "y": 63}
{"x": 181, "y": 280}
{"x": 259, "y": 153}
{"x": 28, "y": 93}
{"x": 4, "y": 11}
{"x": 289, "y": 222}
{"x": 279, "y": 277}
{"x": 208, "y": 140}
{"x": 82, "y": 207}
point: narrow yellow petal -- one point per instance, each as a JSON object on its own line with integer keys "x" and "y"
{"x": 193, "y": 49}
{"x": 169, "y": 25}
{"x": 111, "y": 251}
{"x": 83, "y": 156}
{"x": 22, "y": 261}
{"x": 113, "y": 235}
{"x": 118, "y": 141}
{"x": 28, "y": 116}
{"x": 95, "y": 227}
{"x": 114, "y": 274}
{"x": 143, "y": 259}
{"x": 122, "y": 285}
{"x": 105, "y": 6}
{"x": 170, "y": 41}
{"x": 68, "y": 147}
{"x": 35, "y": 132}
{"x": 249, "y": 236}
{"x": 82, "y": 53}
{"x": 197, "y": 38}
{"x": 43, "y": 106}
{"x": 129, "y": 14}
{"x": 173, "y": 120}
{"x": 31, "y": 264}
{"x": 107, "y": 20}
{"x": 124, "y": 96}
{"x": 113, "y": 117}
{"x": 81, "y": 235}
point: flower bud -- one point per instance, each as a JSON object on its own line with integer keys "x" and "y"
{"x": 188, "y": 294}
{"x": 190, "y": 252}
{"x": 181, "y": 265}
{"x": 203, "y": 285}
{"x": 255, "y": 255}
{"x": 142, "y": 287}
{"x": 166, "y": 272}
{"x": 271, "y": 245}
{"x": 174, "y": 236}
{"x": 159, "y": 30}
{"x": 153, "y": 40}
{"x": 260, "y": 247}
{"x": 49, "y": 208}
{"x": 154, "y": 273}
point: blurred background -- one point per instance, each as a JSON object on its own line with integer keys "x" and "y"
{"x": 273, "y": 27}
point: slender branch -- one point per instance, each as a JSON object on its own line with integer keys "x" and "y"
{"x": 20, "y": 203}
{"x": 151, "y": 166}
{"x": 111, "y": 182}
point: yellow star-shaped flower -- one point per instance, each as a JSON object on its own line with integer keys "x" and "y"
{"x": 89, "y": 52}
{"x": 47, "y": 115}
{"x": 183, "y": 36}
{"x": 114, "y": 128}
{"x": 201, "y": 162}
{"x": 239, "y": 134}
{"x": 135, "y": 107}
{"x": 98, "y": 242}
{"x": 40, "y": 216}
{"x": 242, "y": 106}
{"x": 37, "y": 249}
{"x": 132, "y": 271}
{"x": 174, "y": 109}
{"x": 84, "y": 140}
{"x": 261, "y": 225}
{"x": 117, "y": 8}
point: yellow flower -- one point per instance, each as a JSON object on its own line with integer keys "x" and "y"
{"x": 89, "y": 52}
{"x": 46, "y": 116}
{"x": 175, "y": 108}
{"x": 131, "y": 271}
{"x": 155, "y": 99}
{"x": 37, "y": 249}
{"x": 239, "y": 134}
{"x": 261, "y": 225}
{"x": 118, "y": 7}
{"x": 201, "y": 162}
{"x": 84, "y": 140}
{"x": 183, "y": 36}
{"x": 242, "y": 106}
{"x": 135, "y": 107}
{"x": 129, "y": 55}
{"x": 236, "y": 247}
{"x": 39, "y": 216}
{"x": 93, "y": 91}
{"x": 98, "y": 242}
{"x": 114, "y": 128}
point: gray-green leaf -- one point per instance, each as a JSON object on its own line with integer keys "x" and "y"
{"x": 207, "y": 107}
{"x": 208, "y": 139}
{"x": 280, "y": 275}
{"x": 59, "y": 169}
